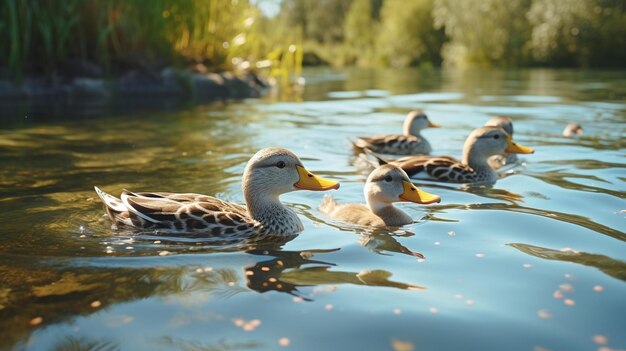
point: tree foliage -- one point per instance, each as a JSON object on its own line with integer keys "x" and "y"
{"x": 578, "y": 33}
{"x": 468, "y": 32}
{"x": 408, "y": 35}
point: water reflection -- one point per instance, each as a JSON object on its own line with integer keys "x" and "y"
{"x": 608, "y": 265}
{"x": 560, "y": 178}
{"x": 284, "y": 272}
{"x": 58, "y": 291}
{"x": 579, "y": 220}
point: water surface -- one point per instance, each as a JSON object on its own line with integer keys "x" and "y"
{"x": 536, "y": 261}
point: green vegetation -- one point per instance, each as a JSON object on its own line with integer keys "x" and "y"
{"x": 47, "y": 37}
{"x": 563, "y": 33}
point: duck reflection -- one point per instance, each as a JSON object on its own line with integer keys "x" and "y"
{"x": 59, "y": 292}
{"x": 283, "y": 272}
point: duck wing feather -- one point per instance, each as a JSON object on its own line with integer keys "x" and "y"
{"x": 189, "y": 212}
{"x": 390, "y": 144}
{"x": 441, "y": 168}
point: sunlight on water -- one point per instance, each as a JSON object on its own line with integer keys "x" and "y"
{"x": 536, "y": 261}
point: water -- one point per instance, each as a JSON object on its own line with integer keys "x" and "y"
{"x": 535, "y": 262}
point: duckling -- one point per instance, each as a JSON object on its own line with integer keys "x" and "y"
{"x": 409, "y": 143}
{"x": 573, "y": 130}
{"x": 269, "y": 173}
{"x": 481, "y": 144}
{"x": 498, "y": 161}
{"x": 384, "y": 186}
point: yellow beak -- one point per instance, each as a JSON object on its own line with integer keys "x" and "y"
{"x": 514, "y": 148}
{"x": 309, "y": 181}
{"x": 413, "y": 194}
{"x": 432, "y": 125}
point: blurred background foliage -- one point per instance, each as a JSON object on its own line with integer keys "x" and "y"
{"x": 49, "y": 37}
{"x": 563, "y": 33}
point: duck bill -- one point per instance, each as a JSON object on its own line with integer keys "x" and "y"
{"x": 309, "y": 181}
{"x": 514, "y": 148}
{"x": 432, "y": 125}
{"x": 413, "y": 194}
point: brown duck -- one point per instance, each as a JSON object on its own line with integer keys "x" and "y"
{"x": 269, "y": 173}
{"x": 481, "y": 144}
{"x": 411, "y": 142}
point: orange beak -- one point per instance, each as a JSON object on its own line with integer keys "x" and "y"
{"x": 413, "y": 194}
{"x": 309, "y": 181}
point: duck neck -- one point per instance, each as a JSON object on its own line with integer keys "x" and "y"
{"x": 266, "y": 208}
{"x": 391, "y": 215}
{"x": 407, "y": 130}
{"x": 479, "y": 163}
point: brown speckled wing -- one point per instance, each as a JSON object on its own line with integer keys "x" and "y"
{"x": 189, "y": 213}
{"x": 391, "y": 144}
{"x": 443, "y": 168}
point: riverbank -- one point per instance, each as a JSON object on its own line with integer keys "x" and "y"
{"x": 134, "y": 88}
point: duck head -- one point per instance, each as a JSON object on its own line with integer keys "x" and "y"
{"x": 503, "y": 122}
{"x": 415, "y": 122}
{"x": 388, "y": 184}
{"x": 275, "y": 171}
{"x": 488, "y": 141}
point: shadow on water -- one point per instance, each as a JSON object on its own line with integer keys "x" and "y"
{"x": 59, "y": 292}
{"x": 608, "y": 265}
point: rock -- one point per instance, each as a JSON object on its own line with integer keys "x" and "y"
{"x": 209, "y": 87}
{"x": 90, "y": 87}
{"x": 10, "y": 91}
{"x": 310, "y": 58}
{"x": 237, "y": 87}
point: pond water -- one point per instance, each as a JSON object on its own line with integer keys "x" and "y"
{"x": 535, "y": 262}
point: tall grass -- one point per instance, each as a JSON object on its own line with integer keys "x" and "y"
{"x": 46, "y": 36}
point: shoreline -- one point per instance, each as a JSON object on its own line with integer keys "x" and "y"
{"x": 168, "y": 87}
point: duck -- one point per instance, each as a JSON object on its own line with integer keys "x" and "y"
{"x": 408, "y": 143}
{"x": 499, "y": 161}
{"x": 384, "y": 186}
{"x": 270, "y": 173}
{"x": 573, "y": 130}
{"x": 481, "y": 144}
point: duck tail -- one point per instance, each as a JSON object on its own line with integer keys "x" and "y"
{"x": 379, "y": 160}
{"x": 328, "y": 204}
{"x": 357, "y": 146}
{"x": 113, "y": 206}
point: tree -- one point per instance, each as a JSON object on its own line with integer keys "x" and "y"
{"x": 578, "y": 32}
{"x": 407, "y": 33}
{"x": 360, "y": 31}
{"x": 484, "y": 32}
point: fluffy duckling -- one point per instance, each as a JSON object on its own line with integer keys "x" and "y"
{"x": 573, "y": 130}
{"x": 498, "y": 161}
{"x": 269, "y": 173}
{"x": 481, "y": 144}
{"x": 409, "y": 143}
{"x": 384, "y": 186}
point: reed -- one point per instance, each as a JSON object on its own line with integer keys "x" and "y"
{"x": 45, "y": 36}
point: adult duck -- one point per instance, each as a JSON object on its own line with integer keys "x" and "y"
{"x": 269, "y": 173}
{"x": 411, "y": 142}
{"x": 384, "y": 186}
{"x": 481, "y": 144}
{"x": 499, "y": 161}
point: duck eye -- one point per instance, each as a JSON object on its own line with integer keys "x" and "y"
{"x": 388, "y": 179}
{"x": 497, "y": 136}
{"x": 280, "y": 164}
